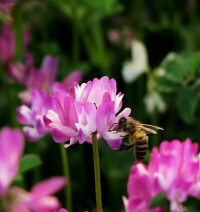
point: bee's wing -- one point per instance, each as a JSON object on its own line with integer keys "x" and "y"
{"x": 152, "y": 127}
{"x": 147, "y": 129}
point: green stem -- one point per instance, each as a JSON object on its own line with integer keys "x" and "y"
{"x": 97, "y": 171}
{"x": 66, "y": 173}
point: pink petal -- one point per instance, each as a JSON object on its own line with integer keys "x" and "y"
{"x": 11, "y": 148}
{"x": 32, "y": 134}
{"x": 75, "y": 76}
{"x": 24, "y": 115}
{"x": 48, "y": 187}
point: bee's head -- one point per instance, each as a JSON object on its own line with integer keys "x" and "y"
{"x": 121, "y": 123}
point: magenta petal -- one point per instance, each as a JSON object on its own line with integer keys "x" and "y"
{"x": 75, "y": 76}
{"x": 24, "y": 115}
{"x": 114, "y": 144}
{"x": 72, "y": 141}
{"x": 62, "y": 210}
{"x": 48, "y": 187}
{"x": 81, "y": 136}
{"x": 59, "y": 136}
{"x": 105, "y": 117}
{"x": 32, "y": 134}
{"x": 106, "y": 98}
{"x": 47, "y": 122}
{"x": 40, "y": 125}
{"x": 49, "y": 69}
{"x": 11, "y": 148}
{"x": 125, "y": 113}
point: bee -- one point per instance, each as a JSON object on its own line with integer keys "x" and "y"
{"x": 137, "y": 133}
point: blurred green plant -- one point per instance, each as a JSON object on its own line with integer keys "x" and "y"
{"x": 86, "y": 17}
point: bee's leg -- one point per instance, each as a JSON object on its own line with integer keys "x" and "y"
{"x": 109, "y": 130}
{"x": 124, "y": 136}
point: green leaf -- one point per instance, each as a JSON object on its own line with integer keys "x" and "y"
{"x": 182, "y": 67}
{"x": 174, "y": 70}
{"x": 159, "y": 200}
{"x": 165, "y": 86}
{"x": 28, "y": 162}
{"x": 186, "y": 103}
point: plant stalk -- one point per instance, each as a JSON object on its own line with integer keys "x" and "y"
{"x": 97, "y": 171}
{"x": 65, "y": 166}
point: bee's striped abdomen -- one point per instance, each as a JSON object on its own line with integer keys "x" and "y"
{"x": 141, "y": 147}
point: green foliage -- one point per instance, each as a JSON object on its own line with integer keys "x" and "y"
{"x": 88, "y": 12}
{"x": 186, "y": 102}
{"x": 182, "y": 68}
{"x": 29, "y": 162}
{"x": 159, "y": 200}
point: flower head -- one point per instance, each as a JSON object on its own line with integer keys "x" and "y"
{"x": 132, "y": 70}
{"x": 14, "y": 199}
{"x": 140, "y": 190}
{"x": 88, "y": 108}
{"x": 174, "y": 169}
{"x": 7, "y": 44}
{"x": 41, "y": 102}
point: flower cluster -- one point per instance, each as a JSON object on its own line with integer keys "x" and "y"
{"x": 14, "y": 199}
{"x": 41, "y": 102}
{"x": 88, "y": 108}
{"x": 175, "y": 169}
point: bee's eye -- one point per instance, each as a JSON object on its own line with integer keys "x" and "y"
{"x": 121, "y": 123}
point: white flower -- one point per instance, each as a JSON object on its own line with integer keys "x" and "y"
{"x": 133, "y": 69}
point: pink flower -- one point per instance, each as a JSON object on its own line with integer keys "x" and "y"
{"x": 41, "y": 102}
{"x": 175, "y": 169}
{"x": 114, "y": 35}
{"x": 62, "y": 210}
{"x": 39, "y": 79}
{"x": 14, "y": 199}
{"x": 140, "y": 190}
{"x": 65, "y": 86}
{"x": 5, "y": 7}
{"x": 7, "y": 44}
{"x": 86, "y": 109}
{"x": 40, "y": 197}
{"x": 20, "y": 72}
{"x": 11, "y": 148}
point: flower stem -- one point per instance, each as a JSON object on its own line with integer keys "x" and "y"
{"x": 66, "y": 173}
{"x": 97, "y": 171}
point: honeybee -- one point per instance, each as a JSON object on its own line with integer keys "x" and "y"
{"x": 137, "y": 134}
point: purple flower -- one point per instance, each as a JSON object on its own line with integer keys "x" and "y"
{"x": 41, "y": 102}
{"x": 65, "y": 86}
{"x": 39, "y": 198}
{"x": 39, "y": 79}
{"x": 14, "y": 199}
{"x": 174, "y": 169}
{"x": 11, "y": 148}
{"x": 7, "y": 44}
{"x": 87, "y": 108}
{"x": 5, "y": 7}
{"x": 140, "y": 190}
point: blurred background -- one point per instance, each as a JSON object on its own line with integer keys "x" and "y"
{"x": 150, "y": 49}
